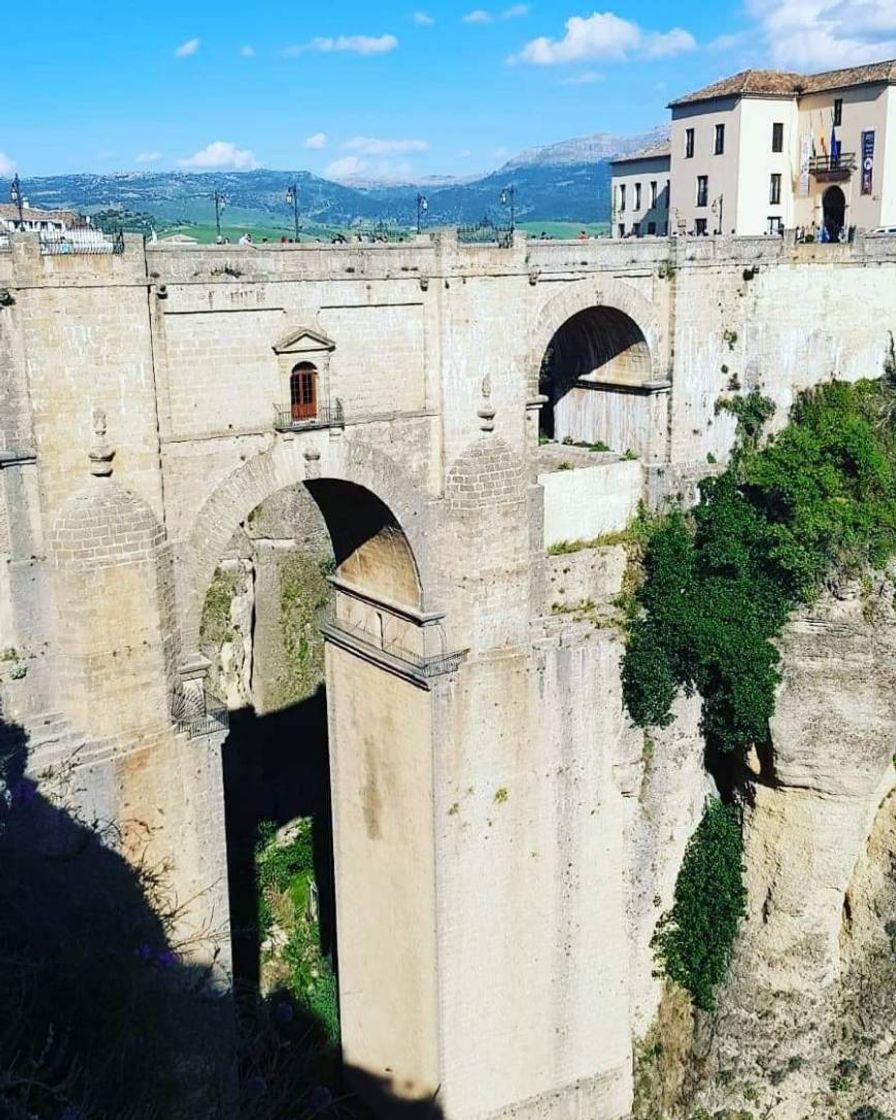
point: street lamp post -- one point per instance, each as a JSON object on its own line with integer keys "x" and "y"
{"x": 219, "y": 206}
{"x": 15, "y": 196}
{"x": 509, "y": 195}
{"x": 292, "y": 196}
{"x": 422, "y": 206}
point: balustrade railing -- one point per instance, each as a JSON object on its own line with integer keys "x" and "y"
{"x": 435, "y": 665}
{"x": 289, "y": 418}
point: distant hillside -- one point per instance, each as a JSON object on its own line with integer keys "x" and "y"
{"x": 569, "y": 181}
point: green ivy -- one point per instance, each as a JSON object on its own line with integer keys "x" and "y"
{"x": 693, "y": 940}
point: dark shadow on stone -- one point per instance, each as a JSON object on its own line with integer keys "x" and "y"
{"x": 102, "y": 1016}
{"x": 276, "y": 768}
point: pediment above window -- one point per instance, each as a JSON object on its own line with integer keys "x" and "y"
{"x": 303, "y": 341}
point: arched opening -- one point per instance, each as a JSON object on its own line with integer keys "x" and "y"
{"x": 594, "y": 373}
{"x": 303, "y": 391}
{"x": 326, "y": 818}
{"x": 834, "y": 212}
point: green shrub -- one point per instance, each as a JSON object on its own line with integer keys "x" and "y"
{"x": 693, "y": 940}
{"x": 720, "y": 583}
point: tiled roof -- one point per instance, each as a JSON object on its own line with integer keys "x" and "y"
{"x": 653, "y": 151}
{"x": 782, "y": 83}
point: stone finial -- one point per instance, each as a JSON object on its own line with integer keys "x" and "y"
{"x": 486, "y": 412}
{"x": 100, "y": 454}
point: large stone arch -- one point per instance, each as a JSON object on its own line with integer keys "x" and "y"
{"x": 582, "y": 295}
{"x": 328, "y": 469}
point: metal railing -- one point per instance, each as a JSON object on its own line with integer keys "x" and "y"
{"x": 486, "y": 232}
{"x": 80, "y": 242}
{"x": 212, "y": 718}
{"x": 843, "y": 163}
{"x": 432, "y": 666}
{"x": 325, "y": 416}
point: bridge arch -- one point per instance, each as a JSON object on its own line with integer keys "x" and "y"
{"x": 378, "y": 697}
{"x": 610, "y": 297}
{"x": 373, "y": 513}
{"x": 596, "y": 358}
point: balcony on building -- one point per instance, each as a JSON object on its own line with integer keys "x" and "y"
{"x": 830, "y": 169}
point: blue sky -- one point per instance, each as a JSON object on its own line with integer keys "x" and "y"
{"x": 382, "y": 90}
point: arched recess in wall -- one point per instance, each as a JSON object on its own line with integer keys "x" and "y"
{"x": 598, "y": 372}
{"x": 374, "y": 516}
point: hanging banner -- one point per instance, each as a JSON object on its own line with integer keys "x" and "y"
{"x": 805, "y": 154}
{"x": 867, "y": 161}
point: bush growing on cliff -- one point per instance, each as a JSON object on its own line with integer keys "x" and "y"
{"x": 693, "y": 940}
{"x": 719, "y": 582}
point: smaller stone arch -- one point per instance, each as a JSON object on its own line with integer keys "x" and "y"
{"x": 611, "y": 296}
{"x": 597, "y": 371}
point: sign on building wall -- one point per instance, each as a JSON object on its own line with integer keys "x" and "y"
{"x": 867, "y": 161}
{"x": 805, "y": 154}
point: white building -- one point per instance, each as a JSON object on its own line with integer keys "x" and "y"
{"x": 767, "y": 150}
{"x": 36, "y": 221}
{"x": 641, "y": 192}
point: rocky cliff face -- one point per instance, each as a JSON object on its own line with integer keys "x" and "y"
{"x": 803, "y": 1026}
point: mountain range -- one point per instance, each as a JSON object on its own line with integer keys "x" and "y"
{"x": 568, "y": 181}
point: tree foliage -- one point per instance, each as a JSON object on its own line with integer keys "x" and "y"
{"x": 819, "y": 501}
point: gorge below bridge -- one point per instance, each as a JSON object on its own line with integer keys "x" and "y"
{"x": 501, "y": 859}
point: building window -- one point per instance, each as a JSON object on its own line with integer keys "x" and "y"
{"x": 720, "y": 140}
{"x": 303, "y": 391}
{"x": 621, "y": 230}
{"x": 652, "y": 196}
{"x": 689, "y": 144}
{"x": 838, "y": 111}
{"x": 700, "y": 227}
{"x": 666, "y": 195}
{"x": 622, "y": 196}
{"x": 703, "y": 190}
{"x": 774, "y": 190}
{"x": 636, "y": 229}
{"x": 651, "y": 228}
{"x": 778, "y": 137}
{"x": 637, "y": 196}
{"x": 775, "y": 226}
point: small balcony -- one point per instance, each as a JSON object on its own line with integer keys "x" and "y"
{"x": 830, "y": 169}
{"x": 209, "y": 716}
{"x": 302, "y": 417}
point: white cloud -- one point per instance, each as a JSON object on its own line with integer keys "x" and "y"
{"x": 222, "y": 155}
{"x": 604, "y": 35}
{"x": 667, "y": 44}
{"x": 248, "y": 51}
{"x": 586, "y": 78}
{"x": 515, "y": 11}
{"x": 423, "y": 19}
{"x": 191, "y": 46}
{"x": 374, "y": 146}
{"x": 345, "y": 168}
{"x": 317, "y": 140}
{"x": 148, "y": 157}
{"x": 7, "y": 165}
{"x": 480, "y": 15}
{"x": 353, "y": 44}
{"x": 825, "y": 34}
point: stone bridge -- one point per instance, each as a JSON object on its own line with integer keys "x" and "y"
{"x": 502, "y": 849}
